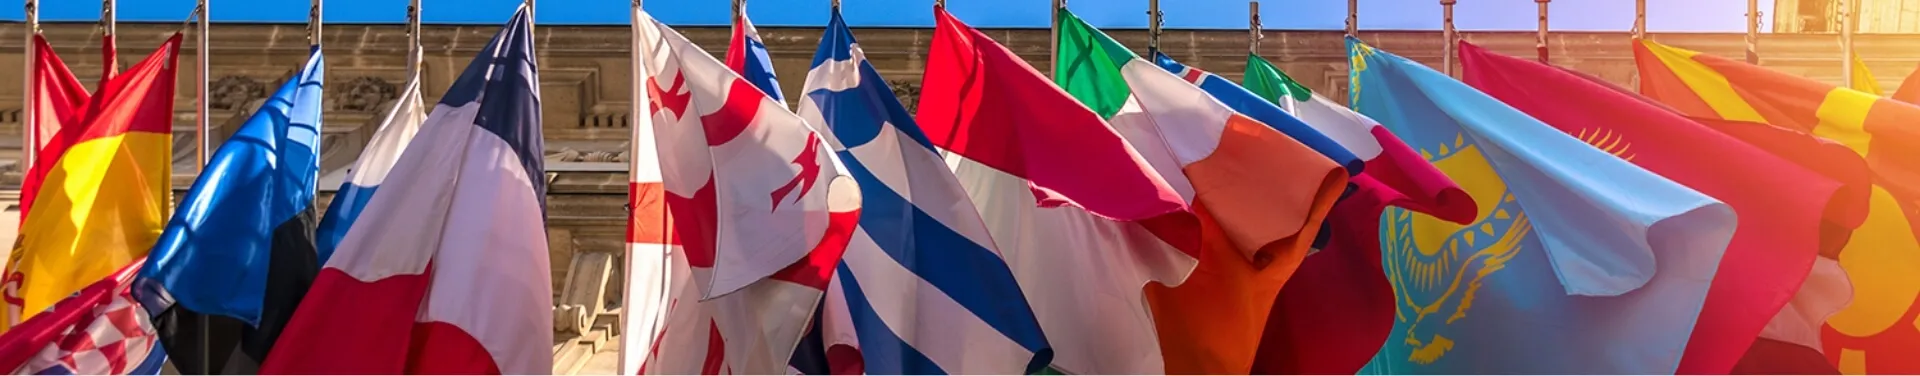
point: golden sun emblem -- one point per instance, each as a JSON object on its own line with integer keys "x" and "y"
{"x": 1438, "y": 267}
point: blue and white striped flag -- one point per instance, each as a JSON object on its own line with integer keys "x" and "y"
{"x": 921, "y": 289}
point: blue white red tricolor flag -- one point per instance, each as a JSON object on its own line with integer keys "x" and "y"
{"x": 446, "y": 270}
{"x": 752, "y": 266}
{"x": 101, "y": 330}
{"x": 922, "y": 289}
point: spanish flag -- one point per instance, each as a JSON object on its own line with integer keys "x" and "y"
{"x": 1877, "y": 332}
{"x": 102, "y": 202}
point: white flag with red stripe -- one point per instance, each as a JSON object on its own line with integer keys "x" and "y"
{"x": 760, "y": 213}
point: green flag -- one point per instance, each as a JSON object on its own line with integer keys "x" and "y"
{"x": 1089, "y": 66}
{"x": 1267, "y": 81}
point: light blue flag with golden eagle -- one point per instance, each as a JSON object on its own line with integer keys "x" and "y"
{"x": 1578, "y": 262}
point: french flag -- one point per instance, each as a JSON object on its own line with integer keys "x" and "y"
{"x": 759, "y": 212}
{"x": 747, "y": 55}
{"x": 446, "y": 270}
{"x": 922, "y": 289}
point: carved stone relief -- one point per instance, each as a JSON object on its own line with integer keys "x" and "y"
{"x": 364, "y": 94}
{"x": 908, "y": 92}
{"x": 234, "y": 92}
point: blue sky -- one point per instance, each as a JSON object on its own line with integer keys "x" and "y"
{"x": 1581, "y": 15}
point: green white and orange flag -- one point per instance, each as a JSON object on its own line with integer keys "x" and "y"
{"x": 1260, "y": 195}
{"x": 103, "y": 199}
{"x": 1877, "y": 332}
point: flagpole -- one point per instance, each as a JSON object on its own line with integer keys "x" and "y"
{"x": 1753, "y": 32}
{"x": 1447, "y": 33}
{"x": 1053, "y": 51}
{"x": 739, "y": 9}
{"x": 640, "y": 117}
{"x": 1847, "y": 24}
{"x": 1353, "y": 17}
{"x": 1639, "y": 19}
{"x": 413, "y": 40}
{"x": 1253, "y": 27}
{"x": 110, "y": 20}
{"x": 202, "y": 122}
{"x": 313, "y": 24}
{"x": 1153, "y": 26}
{"x": 1540, "y": 41}
{"x": 29, "y": 128}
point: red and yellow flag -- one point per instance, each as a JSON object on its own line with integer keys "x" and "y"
{"x": 58, "y": 99}
{"x": 1878, "y": 332}
{"x": 103, "y": 198}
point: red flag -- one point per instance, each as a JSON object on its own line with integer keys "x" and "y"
{"x": 1781, "y": 203}
{"x": 1909, "y": 90}
{"x": 58, "y": 99}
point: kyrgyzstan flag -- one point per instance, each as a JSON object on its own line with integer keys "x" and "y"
{"x": 1781, "y": 203}
{"x": 1874, "y": 333}
{"x": 445, "y": 271}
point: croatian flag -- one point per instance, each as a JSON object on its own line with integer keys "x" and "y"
{"x": 446, "y": 272}
{"x": 100, "y": 330}
{"x": 747, "y": 55}
{"x": 922, "y": 289}
{"x": 368, "y": 172}
{"x": 754, "y": 265}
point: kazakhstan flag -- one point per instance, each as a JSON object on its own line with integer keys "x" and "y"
{"x": 1578, "y": 262}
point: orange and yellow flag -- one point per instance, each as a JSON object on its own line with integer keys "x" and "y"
{"x": 1878, "y": 332}
{"x": 102, "y": 202}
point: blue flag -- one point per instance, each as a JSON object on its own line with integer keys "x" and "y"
{"x": 921, "y": 289}
{"x": 1247, "y": 103}
{"x": 240, "y": 247}
{"x": 1578, "y": 261}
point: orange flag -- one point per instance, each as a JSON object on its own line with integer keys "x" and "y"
{"x": 1877, "y": 332}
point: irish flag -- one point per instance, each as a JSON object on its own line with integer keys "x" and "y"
{"x": 1260, "y": 196}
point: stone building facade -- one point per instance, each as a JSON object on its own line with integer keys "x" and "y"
{"x": 585, "y": 75}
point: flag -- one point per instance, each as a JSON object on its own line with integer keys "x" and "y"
{"x": 755, "y": 264}
{"x": 747, "y": 55}
{"x": 58, "y": 100}
{"x": 364, "y": 176}
{"x": 240, "y": 248}
{"x": 99, "y": 330}
{"x": 651, "y": 249}
{"x": 1578, "y": 262}
{"x": 1260, "y": 195}
{"x": 1338, "y": 308}
{"x": 1081, "y": 218}
{"x": 1330, "y": 145}
{"x": 1874, "y": 333}
{"x": 1776, "y": 243}
{"x": 1909, "y": 90}
{"x": 459, "y": 224}
{"x": 1863, "y": 78}
{"x": 104, "y": 194}
{"x": 922, "y": 286}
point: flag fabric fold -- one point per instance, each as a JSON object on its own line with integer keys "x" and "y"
{"x": 459, "y": 223}
{"x": 240, "y": 248}
{"x": 1778, "y": 240}
{"x": 747, "y": 55}
{"x": 1330, "y": 145}
{"x": 1078, "y": 215}
{"x": 1338, "y": 308}
{"x": 104, "y": 189}
{"x": 1882, "y": 258}
{"x": 922, "y": 288}
{"x": 749, "y": 269}
{"x": 1260, "y": 195}
{"x": 366, "y": 174}
{"x": 1578, "y": 262}
{"x": 99, "y": 330}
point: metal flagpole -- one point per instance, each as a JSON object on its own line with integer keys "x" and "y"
{"x": 29, "y": 128}
{"x": 1153, "y": 26}
{"x": 1848, "y": 13}
{"x": 413, "y": 40}
{"x": 1540, "y": 41}
{"x": 202, "y": 148}
{"x": 638, "y": 107}
{"x": 1639, "y": 19}
{"x": 739, "y": 9}
{"x": 111, "y": 22}
{"x": 1253, "y": 27}
{"x": 1446, "y": 32}
{"x": 1753, "y": 32}
{"x": 313, "y": 24}
{"x": 1353, "y": 17}
{"x": 1053, "y": 52}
